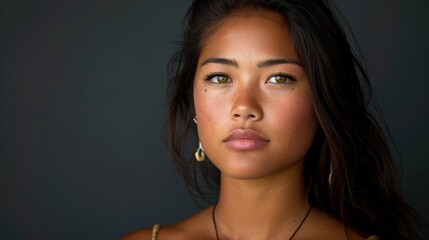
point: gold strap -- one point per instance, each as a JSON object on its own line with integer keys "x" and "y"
{"x": 155, "y": 230}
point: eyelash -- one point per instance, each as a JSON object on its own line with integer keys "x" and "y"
{"x": 289, "y": 77}
{"x": 210, "y": 76}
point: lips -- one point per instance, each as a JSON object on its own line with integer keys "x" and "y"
{"x": 245, "y": 140}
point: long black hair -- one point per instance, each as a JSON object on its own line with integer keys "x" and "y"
{"x": 364, "y": 193}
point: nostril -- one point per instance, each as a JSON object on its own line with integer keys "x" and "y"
{"x": 236, "y": 115}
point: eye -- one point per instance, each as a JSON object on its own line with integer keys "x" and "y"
{"x": 218, "y": 78}
{"x": 281, "y": 78}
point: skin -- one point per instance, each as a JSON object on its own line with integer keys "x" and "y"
{"x": 238, "y": 88}
{"x": 252, "y": 99}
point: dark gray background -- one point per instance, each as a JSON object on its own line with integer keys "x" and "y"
{"x": 83, "y": 153}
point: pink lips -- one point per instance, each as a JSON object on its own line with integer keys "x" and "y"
{"x": 245, "y": 140}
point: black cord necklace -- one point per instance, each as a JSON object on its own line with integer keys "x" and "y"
{"x": 293, "y": 234}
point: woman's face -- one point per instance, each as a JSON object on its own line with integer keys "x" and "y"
{"x": 252, "y": 98}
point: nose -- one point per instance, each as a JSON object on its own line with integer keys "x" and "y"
{"x": 246, "y": 105}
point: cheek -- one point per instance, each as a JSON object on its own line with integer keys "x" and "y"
{"x": 297, "y": 121}
{"x": 210, "y": 111}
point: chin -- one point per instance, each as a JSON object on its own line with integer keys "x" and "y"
{"x": 245, "y": 174}
{"x": 257, "y": 168}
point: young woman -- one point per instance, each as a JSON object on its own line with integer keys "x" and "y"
{"x": 287, "y": 147}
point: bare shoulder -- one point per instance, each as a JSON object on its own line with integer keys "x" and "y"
{"x": 194, "y": 227}
{"x": 142, "y": 234}
{"x": 327, "y": 227}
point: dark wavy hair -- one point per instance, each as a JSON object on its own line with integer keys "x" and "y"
{"x": 365, "y": 193}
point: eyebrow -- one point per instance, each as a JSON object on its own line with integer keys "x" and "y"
{"x": 225, "y": 61}
{"x": 277, "y": 61}
{"x": 266, "y": 63}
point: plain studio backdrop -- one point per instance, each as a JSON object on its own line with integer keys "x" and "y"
{"x": 83, "y": 108}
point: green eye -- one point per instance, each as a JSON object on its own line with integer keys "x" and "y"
{"x": 219, "y": 78}
{"x": 281, "y": 78}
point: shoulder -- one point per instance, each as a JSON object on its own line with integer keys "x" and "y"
{"x": 142, "y": 234}
{"x": 194, "y": 227}
{"x": 165, "y": 232}
{"x": 323, "y": 226}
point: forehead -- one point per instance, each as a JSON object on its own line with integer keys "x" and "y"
{"x": 259, "y": 34}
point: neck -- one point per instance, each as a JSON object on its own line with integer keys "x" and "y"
{"x": 266, "y": 208}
